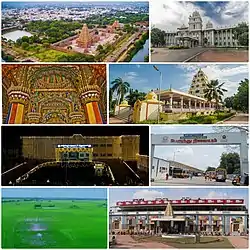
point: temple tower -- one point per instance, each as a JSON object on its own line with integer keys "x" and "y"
{"x": 195, "y": 21}
{"x": 199, "y": 84}
{"x": 169, "y": 210}
{"x": 84, "y": 38}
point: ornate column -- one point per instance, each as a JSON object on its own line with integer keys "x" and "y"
{"x": 90, "y": 97}
{"x": 76, "y": 117}
{"x": 34, "y": 117}
{"x": 18, "y": 98}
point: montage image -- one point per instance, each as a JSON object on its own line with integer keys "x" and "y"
{"x": 75, "y": 31}
{"x": 54, "y": 94}
{"x": 47, "y": 218}
{"x": 75, "y": 156}
{"x": 193, "y": 31}
{"x": 200, "y": 155}
{"x": 160, "y": 218}
{"x": 179, "y": 94}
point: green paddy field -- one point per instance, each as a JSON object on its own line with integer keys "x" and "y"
{"x": 54, "y": 224}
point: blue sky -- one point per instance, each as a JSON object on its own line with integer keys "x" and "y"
{"x": 169, "y": 15}
{"x": 197, "y": 156}
{"x": 94, "y": 193}
{"x": 144, "y": 78}
{"x": 123, "y": 194}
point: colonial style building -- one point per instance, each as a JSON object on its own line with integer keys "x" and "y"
{"x": 196, "y": 35}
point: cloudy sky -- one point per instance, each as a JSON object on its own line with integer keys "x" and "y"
{"x": 197, "y": 156}
{"x": 123, "y": 194}
{"x": 170, "y": 15}
{"x": 84, "y": 193}
{"x": 144, "y": 78}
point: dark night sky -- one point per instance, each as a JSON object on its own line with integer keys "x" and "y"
{"x": 11, "y": 134}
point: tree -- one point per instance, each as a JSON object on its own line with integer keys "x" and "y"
{"x": 229, "y": 102}
{"x": 214, "y": 91}
{"x": 205, "y": 41}
{"x": 146, "y": 58}
{"x": 121, "y": 88}
{"x": 211, "y": 169}
{"x": 230, "y": 162}
{"x": 135, "y": 95}
{"x": 241, "y": 101}
{"x": 158, "y": 37}
{"x": 99, "y": 48}
{"x": 241, "y": 33}
{"x": 25, "y": 45}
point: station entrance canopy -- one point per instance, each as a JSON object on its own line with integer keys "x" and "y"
{"x": 227, "y": 138}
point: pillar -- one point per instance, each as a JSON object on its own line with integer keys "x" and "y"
{"x": 189, "y": 104}
{"x": 124, "y": 222}
{"x": 171, "y": 102}
{"x": 244, "y": 222}
{"x": 152, "y": 157}
{"x": 90, "y": 97}
{"x": 243, "y": 153}
{"x": 181, "y": 103}
{"x": 227, "y": 224}
{"x": 210, "y": 219}
{"x": 200, "y": 105}
{"x": 76, "y": 117}
{"x": 33, "y": 117}
{"x": 18, "y": 98}
{"x": 195, "y": 104}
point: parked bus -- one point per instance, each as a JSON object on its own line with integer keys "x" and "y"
{"x": 221, "y": 174}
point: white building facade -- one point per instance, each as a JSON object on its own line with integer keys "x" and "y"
{"x": 195, "y": 35}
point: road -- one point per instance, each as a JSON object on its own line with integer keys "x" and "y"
{"x": 167, "y": 55}
{"x": 196, "y": 181}
{"x": 237, "y": 119}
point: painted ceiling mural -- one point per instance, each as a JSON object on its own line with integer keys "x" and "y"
{"x": 54, "y": 93}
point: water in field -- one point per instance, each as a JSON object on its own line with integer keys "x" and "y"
{"x": 14, "y": 35}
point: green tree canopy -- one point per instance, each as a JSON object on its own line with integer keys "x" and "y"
{"x": 230, "y": 162}
{"x": 121, "y": 88}
{"x": 158, "y": 37}
{"x": 241, "y": 101}
{"x": 135, "y": 95}
{"x": 214, "y": 91}
{"x": 241, "y": 33}
{"x": 211, "y": 169}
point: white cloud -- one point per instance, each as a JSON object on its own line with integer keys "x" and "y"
{"x": 228, "y": 74}
{"x": 147, "y": 194}
{"x": 170, "y": 15}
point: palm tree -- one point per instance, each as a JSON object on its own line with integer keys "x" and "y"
{"x": 121, "y": 88}
{"x": 214, "y": 91}
{"x": 135, "y": 95}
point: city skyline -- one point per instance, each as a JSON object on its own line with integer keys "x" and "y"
{"x": 171, "y": 15}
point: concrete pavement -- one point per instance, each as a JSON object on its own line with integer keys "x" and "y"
{"x": 180, "y": 55}
{"x": 126, "y": 241}
{"x": 237, "y": 119}
{"x": 196, "y": 181}
{"x": 238, "y": 242}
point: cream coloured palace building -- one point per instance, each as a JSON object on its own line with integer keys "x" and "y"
{"x": 195, "y": 35}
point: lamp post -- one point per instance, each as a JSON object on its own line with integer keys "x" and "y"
{"x": 160, "y": 83}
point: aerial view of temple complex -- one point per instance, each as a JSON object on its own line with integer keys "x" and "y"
{"x": 86, "y": 31}
{"x": 54, "y": 94}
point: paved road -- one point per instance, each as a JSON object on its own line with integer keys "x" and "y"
{"x": 166, "y": 55}
{"x": 126, "y": 241}
{"x": 238, "y": 119}
{"x": 238, "y": 242}
{"x": 196, "y": 181}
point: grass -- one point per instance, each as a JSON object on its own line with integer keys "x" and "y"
{"x": 62, "y": 226}
{"x": 50, "y": 55}
{"x": 205, "y": 242}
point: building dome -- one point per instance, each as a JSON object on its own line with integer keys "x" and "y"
{"x": 196, "y": 14}
{"x": 209, "y": 25}
{"x": 151, "y": 96}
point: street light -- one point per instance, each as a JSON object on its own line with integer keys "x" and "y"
{"x": 160, "y": 83}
